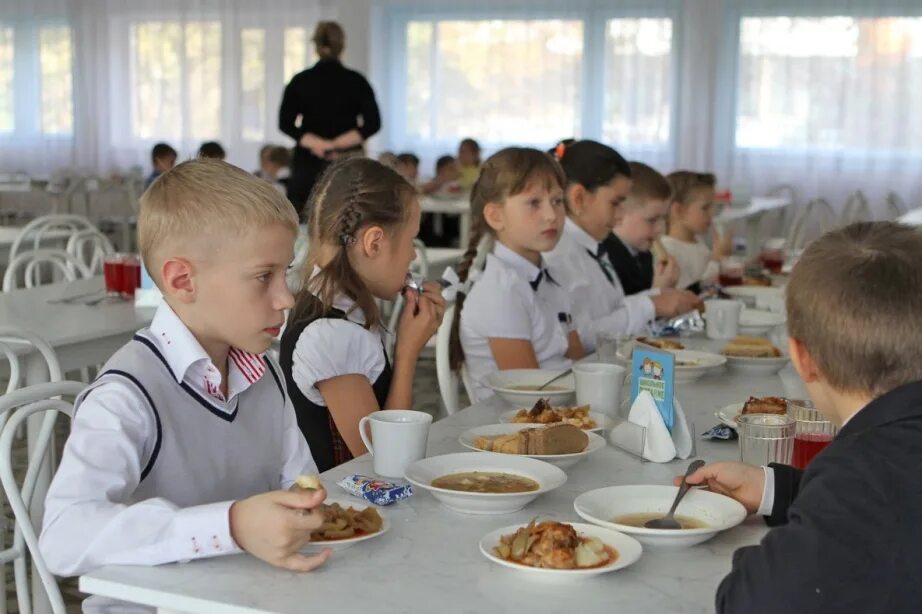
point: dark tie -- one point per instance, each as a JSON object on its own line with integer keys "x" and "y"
{"x": 598, "y": 258}
{"x": 543, "y": 274}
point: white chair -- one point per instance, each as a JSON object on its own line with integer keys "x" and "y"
{"x": 895, "y": 206}
{"x": 12, "y": 339}
{"x": 447, "y": 378}
{"x": 15, "y": 409}
{"x": 856, "y": 209}
{"x": 817, "y": 210}
{"x": 48, "y": 228}
{"x": 31, "y": 263}
{"x": 419, "y": 266}
{"x": 90, "y": 247}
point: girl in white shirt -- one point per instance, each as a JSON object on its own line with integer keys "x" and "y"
{"x": 689, "y": 218}
{"x": 598, "y": 181}
{"x": 364, "y": 217}
{"x": 517, "y": 315}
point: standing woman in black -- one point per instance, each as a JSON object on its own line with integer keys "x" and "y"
{"x": 337, "y": 111}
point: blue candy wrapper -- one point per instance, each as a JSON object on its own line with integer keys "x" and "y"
{"x": 375, "y": 491}
{"x": 721, "y": 431}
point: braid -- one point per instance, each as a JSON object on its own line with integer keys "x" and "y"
{"x": 455, "y": 351}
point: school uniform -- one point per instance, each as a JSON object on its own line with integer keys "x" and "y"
{"x": 633, "y": 268}
{"x": 599, "y": 303}
{"x": 157, "y": 454}
{"x": 848, "y": 529}
{"x": 332, "y": 343}
{"x": 694, "y": 260}
{"x": 514, "y": 299}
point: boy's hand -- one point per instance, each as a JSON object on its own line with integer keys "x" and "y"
{"x": 672, "y": 302}
{"x": 735, "y": 480}
{"x": 666, "y": 273}
{"x": 275, "y": 525}
{"x": 422, "y": 314}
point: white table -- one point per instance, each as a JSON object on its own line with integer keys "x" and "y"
{"x": 430, "y": 559}
{"x": 460, "y": 207}
{"x": 752, "y": 214}
{"x": 81, "y": 336}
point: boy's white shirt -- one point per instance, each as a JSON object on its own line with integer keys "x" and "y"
{"x": 598, "y": 304}
{"x": 87, "y": 494}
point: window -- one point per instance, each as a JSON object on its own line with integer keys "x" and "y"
{"x": 830, "y": 83}
{"x": 638, "y": 92}
{"x": 500, "y": 80}
{"x": 55, "y": 54}
{"x": 299, "y": 52}
{"x": 6, "y": 80}
{"x": 176, "y": 80}
{"x": 253, "y": 84}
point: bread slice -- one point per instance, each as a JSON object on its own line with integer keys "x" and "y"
{"x": 662, "y": 344}
{"x": 751, "y": 347}
{"x": 557, "y": 439}
{"x": 765, "y": 405}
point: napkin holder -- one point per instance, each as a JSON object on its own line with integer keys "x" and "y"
{"x": 644, "y": 433}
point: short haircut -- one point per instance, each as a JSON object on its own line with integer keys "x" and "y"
{"x": 279, "y": 155}
{"x": 160, "y": 151}
{"x": 212, "y": 149}
{"x": 329, "y": 39}
{"x": 648, "y": 184}
{"x": 442, "y": 162}
{"x": 205, "y": 197}
{"x": 408, "y": 158}
{"x": 851, "y": 302}
{"x": 686, "y": 183}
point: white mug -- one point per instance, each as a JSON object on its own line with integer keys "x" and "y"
{"x": 399, "y": 436}
{"x": 599, "y": 386}
{"x": 723, "y": 318}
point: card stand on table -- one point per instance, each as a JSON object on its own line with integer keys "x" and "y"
{"x": 644, "y": 433}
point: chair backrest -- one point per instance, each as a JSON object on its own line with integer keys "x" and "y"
{"x": 856, "y": 209}
{"x": 13, "y": 339}
{"x": 16, "y": 407}
{"x": 45, "y": 227}
{"x": 421, "y": 264}
{"x": 818, "y": 210}
{"x": 895, "y": 206}
{"x": 447, "y": 378}
{"x": 90, "y": 247}
{"x": 30, "y": 265}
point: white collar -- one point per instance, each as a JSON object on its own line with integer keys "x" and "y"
{"x": 343, "y": 303}
{"x": 182, "y": 350}
{"x": 580, "y": 236}
{"x": 516, "y": 262}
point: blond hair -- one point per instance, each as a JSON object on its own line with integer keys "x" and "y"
{"x": 329, "y": 40}
{"x": 851, "y": 301}
{"x": 205, "y": 197}
{"x": 648, "y": 184}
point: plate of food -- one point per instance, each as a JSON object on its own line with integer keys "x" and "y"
{"x": 543, "y": 413}
{"x": 346, "y": 523}
{"x": 753, "y": 296}
{"x": 755, "y": 405}
{"x": 560, "y": 549}
{"x": 702, "y": 514}
{"x": 474, "y": 483}
{"x": 522, "y": 387}
{"x": 754, "y": 355}
{"x": 562, "y": 445}
{"x": 692, "y": 364}
{"x": 754, "y": 322}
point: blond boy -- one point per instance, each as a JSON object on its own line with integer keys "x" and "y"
{"x": 185, "y": 444}
{"x": 847, "y": 536}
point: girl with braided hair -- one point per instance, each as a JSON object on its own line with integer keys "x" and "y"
{"x": 516, "y": 315}
{"x": 364, "y": 217}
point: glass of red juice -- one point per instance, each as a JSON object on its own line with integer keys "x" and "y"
{"x": 773, "y": 256}
{"x": 113, "y": 270}
{"x": 131, "y": 275}
{"x": 731, "y": 271}
{"x": 813, "y": 432}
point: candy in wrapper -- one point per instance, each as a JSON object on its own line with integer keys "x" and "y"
{"x": 375, "y": 491}
{"x": 721, "y": 431}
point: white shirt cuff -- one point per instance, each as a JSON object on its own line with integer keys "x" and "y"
{"x": 205, "y": 531}
{"x": 768, "y": 493}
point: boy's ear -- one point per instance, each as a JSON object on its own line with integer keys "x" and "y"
{"x": 372, "y": 240}
{"x": 803, "y": 361}
{"x": 177, "y": 279}
{"x": 576, "y": 198}
{"x": 493, "y": 215}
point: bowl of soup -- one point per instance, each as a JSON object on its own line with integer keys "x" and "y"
{"x": 475, "y": 483}
{"x": 522, "y": 387}
{"x": 702, "y": 514}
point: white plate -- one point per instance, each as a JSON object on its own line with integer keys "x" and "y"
{"x": 719, "y": 512}
{"x": 604, "y": 422}
{"x": 628, "y": 548}
{"x": 756, "y": 322}
{"x": 563, "y": 461}
{"x": 341, "y": 544}
{"x": 761, "y": 366}
{"x": 752, "y": 294}
{"x": 727, "y": 415}
{"x": 561, "y": 392}
{"x": 706, "y": 362}
{"x": 422, "y": 472}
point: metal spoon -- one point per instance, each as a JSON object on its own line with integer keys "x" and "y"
{"x": 554, "y": 379}
{"x": 668, "y": 521}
